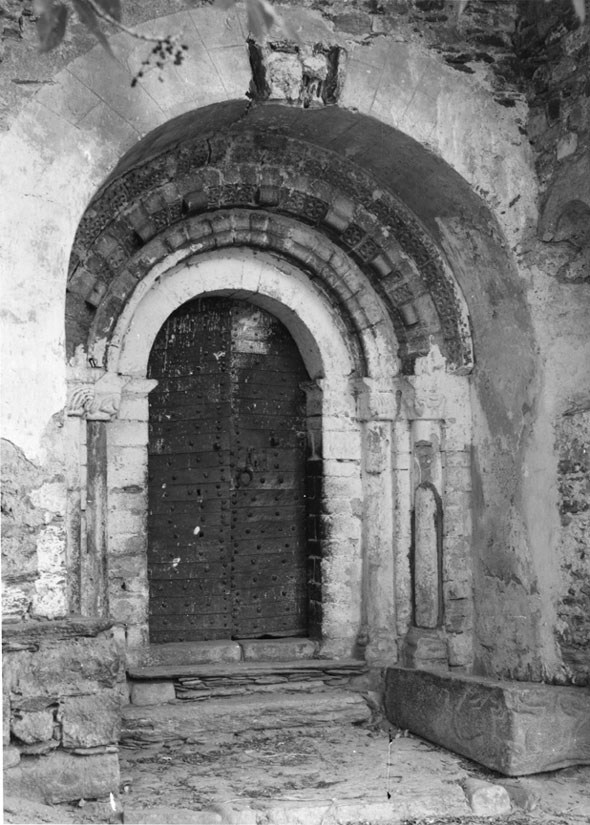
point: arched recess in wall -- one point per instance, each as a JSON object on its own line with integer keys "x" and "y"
{"x": 209, "y": 212}
{"x": 411, "y": 137}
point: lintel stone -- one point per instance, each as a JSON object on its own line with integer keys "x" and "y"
{"x": 515, "y": 728}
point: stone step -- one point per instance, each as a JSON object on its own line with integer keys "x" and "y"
{"x": 164, "y": 683}
{"x": 226, "y": 718}
{"x": 237, "y": 670}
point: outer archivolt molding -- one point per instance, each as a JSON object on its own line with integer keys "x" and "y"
{"x": 279, "y": 175}
{"x": 344, "y": 285}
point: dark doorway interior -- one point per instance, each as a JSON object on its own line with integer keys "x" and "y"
{"x": 227, "y": 552}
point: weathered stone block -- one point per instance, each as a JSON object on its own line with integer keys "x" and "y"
{"x": 457, "y": 520}
{"x": 426, "y": 557}
{"x": 5, "y": 716}
{"x": 152, "y": 693}
{"x": 17, "y": 599}
{"x": 129, "y": 608}
{"x": 487, "y": 799}
{"x": 63, "y": 667}
{"x": 512, "y": 727}
{"x": 277, "y": 650}
{"x": 128, "y": 433}
{"x": 172, "y": 816}
{"x": 458, "y": 478}
{"x": 425, "y": 648}
{"x": 341, "y": 445}
{"x": 64, "y": 777}
{"x": 460, "y": 647}
{"x": 32, "y": 726}
{"x": 129, "y": 466}
{"x": 521, "y": 792}
{"x": 192, "y": 653}
{"x": 10, "y": 757}
{"x": 458, "y": 615}
{"x": 344, "y": 468}
{"x": 90, "y": 721}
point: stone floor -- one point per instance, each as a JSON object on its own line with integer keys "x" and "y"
{"x": 320, "y": 759}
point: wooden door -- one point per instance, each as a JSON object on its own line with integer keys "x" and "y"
{"x": 226, "y": 523}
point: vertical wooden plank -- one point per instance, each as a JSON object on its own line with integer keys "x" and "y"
{"x": 269, "y": 589}
{"x": 188, "y": 524}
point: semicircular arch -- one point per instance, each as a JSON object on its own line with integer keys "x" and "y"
{"x": 247, "y": 275}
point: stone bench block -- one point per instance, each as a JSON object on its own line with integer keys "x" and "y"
{"x": 515, "y": 728}
{"x": 64, "y": 777}
{"x": 152, "y": 693}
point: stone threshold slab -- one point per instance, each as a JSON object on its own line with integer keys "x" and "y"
{"x": 228, "y": 650}
{"x": 516, "y": 728}
{"x": 337, "y": 667}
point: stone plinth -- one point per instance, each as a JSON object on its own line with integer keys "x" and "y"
{"x": 425, "y": 649}
{"x": 513, "y": 727}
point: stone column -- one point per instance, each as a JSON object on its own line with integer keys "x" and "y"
{"x": 376, "y": 411}
{"x": 94, "y": 396}
{"x": 425, "y": 644}
{"x": 403, "y": 503}
{"x": 427, "y": 560}
{"x": 76, "y": 466}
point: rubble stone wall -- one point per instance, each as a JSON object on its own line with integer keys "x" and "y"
{"x": 63, "y": 686}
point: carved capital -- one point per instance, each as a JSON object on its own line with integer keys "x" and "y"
{"x": 427, "y": 399}
{"x": 376, "y": 401}
{"x": 96, "y": 400}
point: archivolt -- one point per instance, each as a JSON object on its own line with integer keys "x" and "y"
{"x": 361, "y": 314}
{"x": 265, "y": 190}
{"x": 262, "y": 279}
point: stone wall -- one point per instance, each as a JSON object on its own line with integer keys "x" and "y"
{"x": 449, "y": 137}
{"x": 553, "y": 53}
{"x": 63, "y": 686}
{"x": 33, "y": 530}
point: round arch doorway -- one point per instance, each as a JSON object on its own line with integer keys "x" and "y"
{"x": 227, "y": 546}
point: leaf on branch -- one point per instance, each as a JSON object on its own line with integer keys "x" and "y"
{"x": 51, "y": 23}
{"x": 261, "y": 18}
{"x": 88, "y": 18}
{"x": 111, "y": 7}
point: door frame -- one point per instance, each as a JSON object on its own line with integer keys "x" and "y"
{"x": 361, "y": 420}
